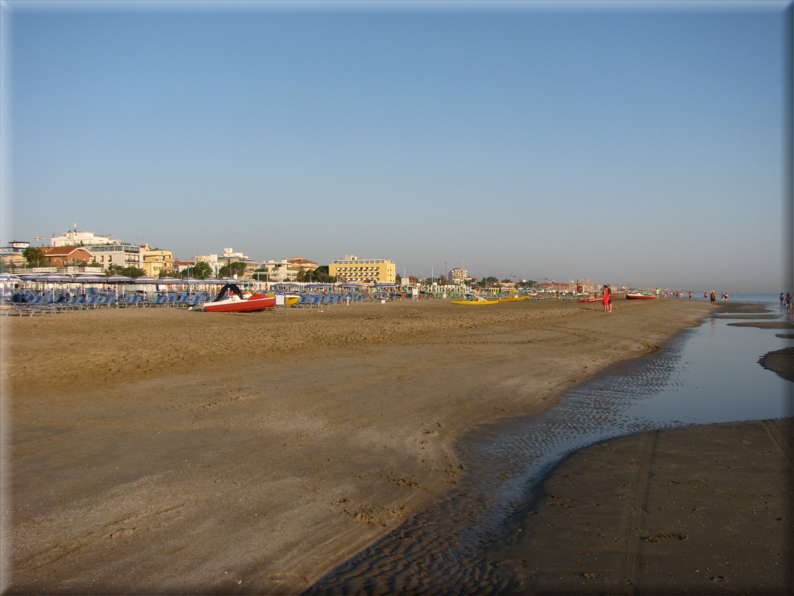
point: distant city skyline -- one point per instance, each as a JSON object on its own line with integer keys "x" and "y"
{"x": 636, "y": 143}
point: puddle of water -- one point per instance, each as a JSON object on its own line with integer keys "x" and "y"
{"x": 705, "y": 375}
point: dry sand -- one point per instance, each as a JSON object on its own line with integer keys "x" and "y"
{"x": 168, "y": 451}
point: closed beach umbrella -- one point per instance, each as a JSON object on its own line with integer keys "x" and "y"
{"x": 144, "y": 279}
{"x": 169, "y": 281}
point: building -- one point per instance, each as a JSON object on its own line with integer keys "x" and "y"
{"x": 553, "y": 286}
{"x": 301, "y": 265}
{"x": 12, "y": 256}
{"x": 353, "y": 269}
{"x": 458, "y": 276}
{"x": 279, "y": 271}
{"x": 211, "y": 260}
{"x": 180, "y": 266}
{"x": 67, "y": 256}
{"x": 229, "y": 256}
{"x": 410, "y": 281}
{"x": 75, "y": 238}
{"x": 121, "y": 254}
{"x": 157, "y": 260}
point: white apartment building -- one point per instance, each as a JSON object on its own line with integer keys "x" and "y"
{"x": 123, "y": 255}
{"x": 75, "y": 238}
{"x": 458, "y": 276}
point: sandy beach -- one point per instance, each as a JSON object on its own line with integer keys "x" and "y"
{"x": 700, "y": 510}
{"x": 169, "y": 451}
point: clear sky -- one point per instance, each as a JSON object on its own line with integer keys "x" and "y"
{"x": 629, "y": 143}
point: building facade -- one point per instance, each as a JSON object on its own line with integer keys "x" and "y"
{"x": 75, "y": 238}
{"x": 458, "y": 276}
{"x": 353, "y": 269}
{"x": 12, "y": 256}
{"x": 156, "y": 260}
{"x": 67, "y": 256}
{"x": 121, "y": 254}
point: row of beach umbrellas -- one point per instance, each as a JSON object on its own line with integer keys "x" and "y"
{"x": 110, "y": 279}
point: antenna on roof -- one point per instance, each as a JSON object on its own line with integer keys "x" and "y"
{"x": 75, "y": 227}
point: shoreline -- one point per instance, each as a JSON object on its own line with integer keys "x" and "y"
{"x": 338, "y": 437}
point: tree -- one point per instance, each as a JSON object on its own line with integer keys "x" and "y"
{"x": 129, "y": 271}
{"x": 34, "y": 255}
{"x": 322, "y": 276}
{"x": 236, "y": 268}
{"x": 198, "y": 271}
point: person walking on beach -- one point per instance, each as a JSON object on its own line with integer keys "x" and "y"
{"x": 690, "y": 295}
{"x": 788, "y": 301}
{"x": 705, "y": 295}
{"x": 607, "y": 298}
{"x": 713, "y": 297}
{"x": 782, "y": 299}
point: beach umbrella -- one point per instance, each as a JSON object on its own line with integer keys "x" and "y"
{"x": 90, "y": 279}
{"x": 7, "y": 277}
{"x": 143, "y": 279}
{"x": 117, "y": 279}
{"x": 51, "y": 278}
{"x": 169, "y": 281}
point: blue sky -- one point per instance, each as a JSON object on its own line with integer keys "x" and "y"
{"x": 634, "y": 143}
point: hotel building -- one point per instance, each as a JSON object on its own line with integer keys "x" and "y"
{"x": 353, "y": 269}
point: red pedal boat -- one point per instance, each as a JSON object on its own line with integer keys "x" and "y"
{"x": 639, "y": 296}
{"x": 236, "y": 302}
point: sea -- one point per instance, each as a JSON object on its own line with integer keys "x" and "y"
{"x": 706, "y": 374}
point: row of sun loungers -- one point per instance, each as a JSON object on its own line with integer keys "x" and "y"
{"x": 43, "y": 304}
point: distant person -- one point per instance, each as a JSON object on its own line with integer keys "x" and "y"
{"x": 713, "y": 297}
{"x": 788, "y": 301}
{"x": 690, "y": 295}
{"x": 605, "y": 300}
{"x": 782, "y": 299}
{"x": 705, "y": 295}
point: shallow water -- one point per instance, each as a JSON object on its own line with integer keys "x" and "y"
{"x": 705, "y": 375}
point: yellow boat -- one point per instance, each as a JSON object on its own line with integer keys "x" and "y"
{"x": 475, "y": 302}
{"x": 291, "y": 298}
{"x": 516, "y": 299}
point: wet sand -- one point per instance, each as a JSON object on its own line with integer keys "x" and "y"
{"x": 167, "y": 451}
{"x": 780, "y": 362}
{"x": 701, "y": 510}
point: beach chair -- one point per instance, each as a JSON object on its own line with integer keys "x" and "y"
{"x": 107, "y": 300}
{"x": 127, "y": 301}
{"x": 91, "y": 301}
